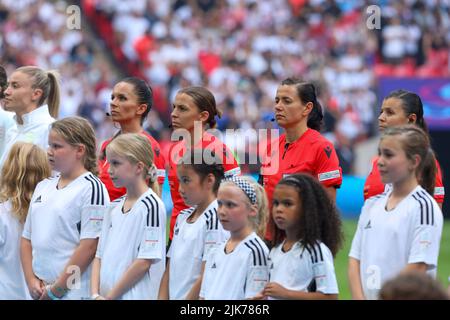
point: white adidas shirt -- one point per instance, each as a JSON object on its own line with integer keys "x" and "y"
{"x": 386, "y": 241}
{"x": 12, "y": 280}
{"x": 299, "y": 268}
{"x": 139, "y": 233}
{"x": 58, "y": 219}
{"x": 240, "y": 274}
{"x": 192, "y": 243}
{"x": 35, "y": 129}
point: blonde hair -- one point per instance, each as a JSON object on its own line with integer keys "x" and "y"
{"x": 76, "y": 131}
{"x": 262, "y": 205}
{"x": 136, "y": 148}
{"x": 25, "y": 166}
{"x": 48, "y": 82}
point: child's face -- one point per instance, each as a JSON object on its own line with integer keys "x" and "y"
{"x": 393, "y": 164}
{"x": 234, "y": 208}
{"x": 191, "y": 188}
{"x": 286, "y": 208}
{"x": 61, "y": 155}
{"x": 121, "y": 170}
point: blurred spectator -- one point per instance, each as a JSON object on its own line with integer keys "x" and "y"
{"x": 239, "y": 49}
{"x": 33, "y": 32}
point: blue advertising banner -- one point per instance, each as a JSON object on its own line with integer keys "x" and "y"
{"x": 434, "y": 92}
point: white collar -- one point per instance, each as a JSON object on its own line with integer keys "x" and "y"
{"x": 35, "y": 116}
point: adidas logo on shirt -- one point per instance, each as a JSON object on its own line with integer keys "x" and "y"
{"x": 213, "y": 266}
{"x": 368, "y": 226}
{"x": 38, "y": 200}
{"x": 176, "y": 231}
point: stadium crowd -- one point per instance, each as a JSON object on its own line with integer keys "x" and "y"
{"x": 237, "y": 48}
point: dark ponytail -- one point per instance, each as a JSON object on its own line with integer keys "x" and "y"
{"x": 3, "y": 82}
{"x": 306, "y": 91}
{"x": 429, "y": 169}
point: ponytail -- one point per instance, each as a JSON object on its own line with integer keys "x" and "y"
{"x": 53, "y": 98}
{"x": 152, "y": 179}
{"x": 48, "y": 82}
{"x": 427, "y": 178}
{"x": 316, "y": 116}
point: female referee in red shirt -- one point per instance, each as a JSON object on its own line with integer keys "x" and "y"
{"x": 301, "y": 148}
{"x": 194, "y": 111}
{"x": 131, "y": 101}
{"x": 400, "y": 107}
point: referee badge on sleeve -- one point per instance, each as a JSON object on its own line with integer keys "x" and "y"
{"x": 329, "y": 175}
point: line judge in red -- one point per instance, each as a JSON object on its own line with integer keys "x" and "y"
{"x": 401, "y": 107}
{"x": 301, "y": 149}
{"x": 194, "y": 112}
{"x": 131, "y": 101}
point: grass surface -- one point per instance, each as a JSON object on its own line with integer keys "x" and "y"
{"x": 341, "y": 261}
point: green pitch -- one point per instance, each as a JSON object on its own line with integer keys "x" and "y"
{"x": 341, "y": 260}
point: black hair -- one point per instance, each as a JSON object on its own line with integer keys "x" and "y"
{"x": 411, "y": 104}
{"x": 319, "y": 219}
{"x": 306, "y": 91}
{"x": 204, "y": 162}
{"x": 3, "y": 82}
{"x": 143, "y": 92}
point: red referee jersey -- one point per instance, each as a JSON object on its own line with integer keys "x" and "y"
{"x": 311, "y": 153}
{"x": 103, "y": 165}
{"x": 177, "y": 150}
{"x": 374, "y": 186}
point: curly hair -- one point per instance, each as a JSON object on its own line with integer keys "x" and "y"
{"x": 319, "y": 219}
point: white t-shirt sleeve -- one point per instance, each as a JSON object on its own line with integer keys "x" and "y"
{"x": 93, "y": 210}
{"x": 152, "y": 242}
{"x": 323, "y": 270}
{"x": 257, "y": 274}
{"x": 91, "y": 221}
{"x": 427, "y": 231}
